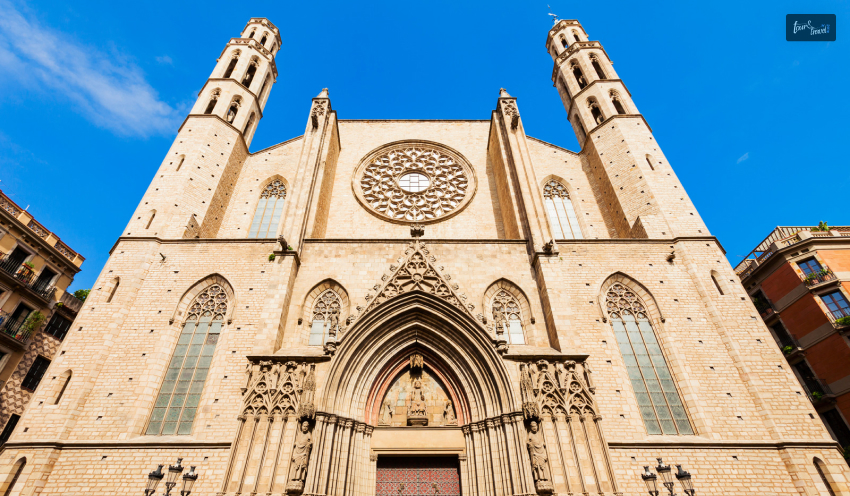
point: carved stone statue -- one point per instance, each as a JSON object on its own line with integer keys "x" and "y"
{"x": 416, "y": 407}
{"x": 539, "y": 459}
{"x": 306, "y": 407}
{"x": 449, "y": 417}
{"x": 300, "y": 459}
{"x": 530, "y": 410}
{"x": 416, "y": 362}
{"x": 386, "y": 413}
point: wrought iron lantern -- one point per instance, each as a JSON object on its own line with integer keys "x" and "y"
{"x": 651, "y": 481}
{"x": 666, "y": 473}
{"x": 174, "y": 471}
{"x": 189, "y": 481}
{"x": 153, "y": 480}
{"x": 685, "y": 480}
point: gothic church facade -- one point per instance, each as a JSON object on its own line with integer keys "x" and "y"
{"x": 418, "y": 307}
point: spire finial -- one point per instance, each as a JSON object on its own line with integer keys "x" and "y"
{"x": 554, "y": 16}
{"x": 503, "y": 93}
{"x": 323, "y": 94}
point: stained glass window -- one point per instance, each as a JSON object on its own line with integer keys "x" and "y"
{"x": 325, "y": 313}
{"x": 559, "y": 208}
{"x": 506, "y": 313}
{"x": 269, "y": 210}
{"x": 180, "y": 394}
{"x": 658, "y": 399}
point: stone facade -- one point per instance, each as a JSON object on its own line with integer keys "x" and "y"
{"x": 417, "y": 259}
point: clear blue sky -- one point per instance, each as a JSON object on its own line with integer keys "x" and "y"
{"x": 92, "y": 94}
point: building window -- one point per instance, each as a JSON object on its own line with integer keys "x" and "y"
{"x": 268, "y": 212}
{"x": 180, "y": 163}
{"x": 506, "y": 315}
{"x": 10, "y": 427}
{"x": 180, "y": 394}
{"x": 564, "y": 41}
{"x": 233, "y": 109}
{"x": 821, "y": 468}
{"x": 17, "y": 470}
{"x": 65, "y": 379}
{"x": 151, "y": 216}
{"x": 582, "y": 82}
{"x": 58, "y": 326}
{"x": 249, "y": 74}
{"x": 264, "y": 38}
{"x": 810, "y": 266}
{"x": 262, "y": 91}
{"x": 559, "y": 208}
{"x": 325, "y": 314}
{"x": 248, "y": 125}
{"x": 115, "y": 283}
{"x": 595, "y": 111}
{"x": 576, "y": 36}
{"x": 837, "y": 304}
{"x": 36, "y": 372}
{"x": 210, "y": 106}
{"x": 717, "y": 285}
{"x": 232, "y": 65}
{"x": 618, "y": 105}
{"x": 837, "y": 426}
{"x": 658, "y": 399}
{"x": 598, "y": 68}
{"x": 649, "y": 161}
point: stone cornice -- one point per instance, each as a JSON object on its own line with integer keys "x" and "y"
{"x": 700, "y": 444}
{"x": 563, "y": 23}
{"x": 575, "y": 97}
{"x": 153, "y": 443}
{"x": 575, "y": 47}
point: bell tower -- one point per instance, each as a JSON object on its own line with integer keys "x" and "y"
{"x": 643, "y": 197}
{"x": 192, "y": 188}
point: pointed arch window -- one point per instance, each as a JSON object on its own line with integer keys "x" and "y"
{"x": 618, "y": 105}
{"x": 564, "y": 41}
{"x": 213, "y": 100}
{"x": 232, "y": 65}
{"x": 594, "y": 60}
{"x": 506, "y": 313}
{"x": 249, "y": 124}
{"x": 821, "y": 468}
{"x": 582, "y": 82}
{"x": 595, "y": 111}
{"x": 263, "y": 40}
{"x": 269, "y": 210}
{"x": 180, "y": 394}
{"x": 249, "y": 74}
{"x": 325, "y": 314}
{"x": 233, "y": 110}
{"x": 262, "y": 91}
{"x": 658, "y": 399}
{"x": 562, "y": 215}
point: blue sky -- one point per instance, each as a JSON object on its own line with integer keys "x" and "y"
{"x": 92, "y": 94}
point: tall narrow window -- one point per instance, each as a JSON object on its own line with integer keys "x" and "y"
{"x": 564, "y": 41}
{"x": 649, "y": 161}
{"x": 821, "y": 468}
{"x": 579, "y": 125}
{"x": 506, "y": 314}
{"x": 233, "y": 110}
{"x": 810, "y": 266}
{"x": 717, "y": 285}
{"x": 326, "y": 312}
{"x": 249, "y": 74}
{"x": 248, "y": 125}
{"x": 582, "y": 82}
{"x": 618, "y": 105}
{"x": 595, "y": 111}
{"x": 114, "y": 289}
{"x": 560, "y": 211}
{"x": 660, "y": 405}
{"x": 65, "y": 378}
{"x": 213, "y": 100}
{"x": 17, "y": 470}
{"x": 58, "y": 326}
{"x": 576, "y": 36}
{"x": 269, "y": 209}
{"x": 263, "y": 88}
{"x": 151, "y": 215}
{"x": 837, "y": 304}
{"x": 180, "y": 163}
{"x": 264, "y": 38}
{"x": 36, "y": 372}
{"x": 253, "y": 31}
{"x": 180, "y": 394}
{"x": 594, "y": 60}
{"x": 9, "y": 428}
{"x": 232, "y": 64}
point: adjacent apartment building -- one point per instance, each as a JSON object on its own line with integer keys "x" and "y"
{"x": 35, "y": 310}
{"x": 799, "y": 280}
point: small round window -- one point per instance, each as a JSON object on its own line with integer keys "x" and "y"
{"x": 413, "y": 182}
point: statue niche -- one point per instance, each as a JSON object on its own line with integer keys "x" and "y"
{"x": 417, "y": 398}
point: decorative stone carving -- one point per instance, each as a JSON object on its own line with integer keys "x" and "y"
{"x": 275, "y": 189}
{"x": 418, "y": 399}
{"x": 300, "y": 459}
{"x": 416, "y": 363}
{"x": 387, "y": 412}
{"x": 418, "y": 182}
{"x": 539, "y": 459}
{"x": 307, "y": 405}
{"x": 449, "y": 417}
{"x": 417, "y": 230}
{"x": 279, "y": 389}
{"x": 417, "y": 408}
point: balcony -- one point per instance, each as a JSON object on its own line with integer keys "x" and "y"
{"x": 13, "y": 330}
{"x": 23, "y": 276}
{"x": 791, "y": 349}
{"x": 823, "y": 276}
{"x": 764, "y": 308}
{"x": 819, "y": 393}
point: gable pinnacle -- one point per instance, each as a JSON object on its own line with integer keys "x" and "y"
{"x": 503, "y": 93}
{"x": 323, "y": 93}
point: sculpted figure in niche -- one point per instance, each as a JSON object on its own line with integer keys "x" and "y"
{"x": 386, "y": 413}
{"x": 539, "y": 459}
{"x": 449, "y": 414}
{"x": 417, "y": 407}
{"x": 300, "y": 459}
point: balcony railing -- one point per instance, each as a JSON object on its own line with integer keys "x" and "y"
{"x": 820, "y": 277}
{"x": 840, "y": 313}
{"x": 14, "y": 327}
{"x": 26, "y": 277}
{"x": 818, "y": 391}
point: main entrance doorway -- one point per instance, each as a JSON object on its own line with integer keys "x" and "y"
{"x": 418, "y": 476}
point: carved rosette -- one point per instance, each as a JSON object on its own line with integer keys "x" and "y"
{"x": 445, "y": 182}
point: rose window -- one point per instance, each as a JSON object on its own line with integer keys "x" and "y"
{"x": 414, "y": 182}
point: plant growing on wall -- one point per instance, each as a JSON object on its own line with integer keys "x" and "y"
{"x": 82, "y": 294}
{"x": 822, "y": 227}
{"x": 787, "y": 349}
{"x": 271, "y": 257}
{"x": 33, "y": 322}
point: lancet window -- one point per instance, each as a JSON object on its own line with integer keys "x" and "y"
{"x": 180, "y": 394}
{"x": 232, "y": 65}
{"x": 326, "y": 312}
{"x": 658, "y": 399}
{"x": 269, "y": 210}
{"x": 506, "y": 314}
{"x": 562, "y": 215}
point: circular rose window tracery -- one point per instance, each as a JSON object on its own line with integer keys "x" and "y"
{"x": 411, "y": 181}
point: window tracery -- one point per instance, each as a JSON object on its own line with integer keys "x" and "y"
{"x": 658, "y": 399}
{"x": 269, "y": 209}
{"x": 414, "y": 182}
{"x": 562, "y": 215}
{"x": 180, "y": 393}
{"x": 326, "y": 312}
{"x": 506, "y": 313}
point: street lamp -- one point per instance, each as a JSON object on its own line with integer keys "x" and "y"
{"x": 651, "y": 481}
{"x": 666, "y": 476}
{"x": 189, "y": 481}
{"x": 153, "y": 481}
{"x": 685, "y": 480}
{"x": 174, "y": 471}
